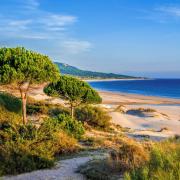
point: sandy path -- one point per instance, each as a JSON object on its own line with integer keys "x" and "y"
{"x": 64, "y": 170}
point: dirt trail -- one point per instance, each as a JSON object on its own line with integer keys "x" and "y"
{"x": 64, "y": 170}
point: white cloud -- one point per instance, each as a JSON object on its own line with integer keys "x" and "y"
{"x": 162, "y": 14}
{"x": 169, "y": 10}
{"x": 76, "y": 47}
{"x": 28, "y": 23}
{"x": 31, "y": 4}
{"x": 56, "y": 22}
{"x": 19, "y": 24}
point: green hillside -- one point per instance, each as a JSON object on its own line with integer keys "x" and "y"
{"x": 71, "y": 70}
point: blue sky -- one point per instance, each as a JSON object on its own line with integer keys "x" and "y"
{"x": 123, "y": 36}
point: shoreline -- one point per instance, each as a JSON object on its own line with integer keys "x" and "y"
{"x": 116, "y": 98}
{"x": 104, "y": 80}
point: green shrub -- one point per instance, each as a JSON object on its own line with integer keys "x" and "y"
{"x": 6, "y": 115}
{"x": 94, "y": 116}
{"x": 130, "y": 155}
{"x": 25, "y": 148}
{"x": 58, "y": 110}
{"x": 16, "y": 158}
{"x": 66, "y": 123}
{"x": 98, "y": 169}
{"x": 10, "y": 102}
{"x": 164, "y": 163}
{"x": 19, "y": 151}
{"x": 35, "y": 108}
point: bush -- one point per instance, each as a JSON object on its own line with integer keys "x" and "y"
{"x": 25, "y": 148}
{"x": 10, "y": 102}
{"x": 35, "y": 108}
{"x": 66, "y": 123}
{"x": 94, "y": 116}
{"x": 164, "y": 163}
{"x": 7, "y": 116}
{"x": 98, "y": 169}
{"x": 129, "y": 156}
{"x": 19, "y": 151}
{"x": 16, "y": 157}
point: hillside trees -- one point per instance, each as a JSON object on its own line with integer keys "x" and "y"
{"x": 21, "y": 68}
{"x": 73, "y": 90}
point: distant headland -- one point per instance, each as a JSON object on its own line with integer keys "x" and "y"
{"x": 85, "y": 74}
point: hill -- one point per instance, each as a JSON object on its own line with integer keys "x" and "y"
{"x": 74, "y": 71}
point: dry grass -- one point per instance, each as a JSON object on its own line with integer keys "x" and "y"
{"x": 121, "y": 109}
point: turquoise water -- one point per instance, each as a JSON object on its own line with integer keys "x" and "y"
{"x": 156, "y": 87}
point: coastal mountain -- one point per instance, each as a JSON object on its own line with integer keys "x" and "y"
{"x": 74, "y": 71}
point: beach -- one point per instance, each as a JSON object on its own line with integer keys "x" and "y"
{"x": 162, "y": 122}
{"x": 125, "y": 98}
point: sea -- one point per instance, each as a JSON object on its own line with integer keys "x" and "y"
{"x": 169, "y": 88}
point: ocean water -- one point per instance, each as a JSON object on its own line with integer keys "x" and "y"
{"x": 156, "y": 87}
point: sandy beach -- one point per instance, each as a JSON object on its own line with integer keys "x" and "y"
{"x": 125, "y": 99}
{"x": 162, "y": 122}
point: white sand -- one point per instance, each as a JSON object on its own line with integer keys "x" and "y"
{"x": 167, "y": 114}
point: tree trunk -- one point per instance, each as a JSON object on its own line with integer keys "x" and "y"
{"x": 23, "y": 90}
{"x": 24, "y": 101}
{"x": 72, "y": 111}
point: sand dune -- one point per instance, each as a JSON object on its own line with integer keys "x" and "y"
{"x": 166, "y": 114}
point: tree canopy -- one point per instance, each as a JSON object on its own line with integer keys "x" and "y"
{"x": 22, "y": 68}
{"x": 19, "y": 65}
{"x": 73, "y": 90}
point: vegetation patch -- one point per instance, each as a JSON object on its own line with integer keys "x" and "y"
{"x": 99, "y": 169}
{"x": 138, "y": 161}
{"x": 142, "y": 112}
{"x": 94, "y": 116}
{"x": 162, "y": 165}
{"x": 121, "y": 109}
{"x": 11, "y": 103}
{"x": 42, "y": 108}
{"x": 65, "y": 122}
{"x": 25, "y": 148}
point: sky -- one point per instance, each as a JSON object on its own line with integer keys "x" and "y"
{"x": 140, "y": 38}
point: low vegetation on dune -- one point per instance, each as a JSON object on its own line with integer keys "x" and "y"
{"x": 93, "y": 116}
{"x": 25, "y": 148}
{"x": 164, "y": 163}
{"x": 137, "y": 161}
{"x": 125, "y": 156}
{"x": 64, "y": 122}
{"x": 37, "y": 108}
{"x": 11, "y": 103}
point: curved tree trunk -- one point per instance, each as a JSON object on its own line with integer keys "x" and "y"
{"x": 24, "y": 101}
{"x": 23, "y": 90}
{"x": 72, "y": 111}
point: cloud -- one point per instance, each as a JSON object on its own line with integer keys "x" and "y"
{"x": 57, "y": 22}
{"x": 19, "y": 24}
{"x": 31, "y": 4}
{"x": 76, "y": 47}
{"x": 169, "y": 10}
{"x": 30, "y": 26}
{"x": 162, "y": 14}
